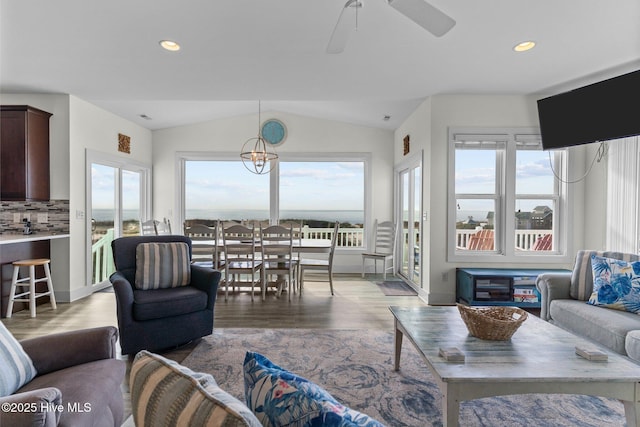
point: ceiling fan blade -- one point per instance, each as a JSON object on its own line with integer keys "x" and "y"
{"x": 343, "y": 27}
{"x": 424, "y": 14}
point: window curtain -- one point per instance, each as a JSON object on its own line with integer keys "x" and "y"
{"x": 623, "y": 195}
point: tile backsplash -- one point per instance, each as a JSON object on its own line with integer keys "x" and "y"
{"x": 49, "y": 217}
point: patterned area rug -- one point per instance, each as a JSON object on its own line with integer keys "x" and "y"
{"x": 356, "y": 367}
{"x": 396, "y": 288}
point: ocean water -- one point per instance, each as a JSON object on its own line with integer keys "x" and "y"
{"x": 350, "y": 216}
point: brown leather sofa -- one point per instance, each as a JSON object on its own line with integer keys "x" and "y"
{"x": 78, "y": 382}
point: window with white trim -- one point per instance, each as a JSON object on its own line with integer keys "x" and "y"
{"x": 509, "y": 198}
{"x": 311, "y": 189}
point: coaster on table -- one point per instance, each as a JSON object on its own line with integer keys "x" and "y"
{"x": 592, "y": 354}
{"x": 451, "y": 354}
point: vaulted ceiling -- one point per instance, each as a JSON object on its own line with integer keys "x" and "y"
{"x": 236, "y": 52}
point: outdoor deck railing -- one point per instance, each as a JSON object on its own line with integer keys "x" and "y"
{"x": 347, "y": 238}
{"x": 524, "y": 238}
{"x": 102, "y": 257}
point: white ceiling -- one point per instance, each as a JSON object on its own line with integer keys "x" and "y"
{"x": 235, "y": 52}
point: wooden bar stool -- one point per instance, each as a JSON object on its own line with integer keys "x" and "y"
{"x": 31, "y": 283}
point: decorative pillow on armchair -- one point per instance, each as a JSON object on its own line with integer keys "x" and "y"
{"x": 616, "y": 284}
{"x": 280, "y": 398}
{"x": 162, "y": 265}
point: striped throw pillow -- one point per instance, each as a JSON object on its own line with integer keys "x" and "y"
{"x": 162, "y": 265}
{"x": 165, "y": 393}
{"x": 16, "y": 367}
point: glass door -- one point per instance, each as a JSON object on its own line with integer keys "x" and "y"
{"x": 409, "y": 178}
{"x": 117, "y": 200}
{"x": 104, "y": 216}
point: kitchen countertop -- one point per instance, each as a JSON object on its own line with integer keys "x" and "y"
{"x": 8, "y": 238}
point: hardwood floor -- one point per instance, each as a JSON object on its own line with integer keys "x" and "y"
{"x": 357, "y": 304}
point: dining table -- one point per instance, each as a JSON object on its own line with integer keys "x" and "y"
{"x": 309, "y": 246}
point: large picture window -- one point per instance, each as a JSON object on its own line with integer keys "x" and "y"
{"x": 509, "y": 198}
{"x": 311, "y": 190}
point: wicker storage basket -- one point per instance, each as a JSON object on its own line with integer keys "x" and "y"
{"x": 492, "y": 323}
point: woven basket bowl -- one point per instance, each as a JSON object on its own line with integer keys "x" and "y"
{"x": 492, "y": 323}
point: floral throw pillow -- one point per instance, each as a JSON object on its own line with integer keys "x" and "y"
{"x": 280, "y": 398}
{"x": 616, "y": 284}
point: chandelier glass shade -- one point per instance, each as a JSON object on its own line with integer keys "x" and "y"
{"x": 257, "y": 154}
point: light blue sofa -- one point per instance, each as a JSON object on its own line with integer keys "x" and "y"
{"x": 563, "y": 303}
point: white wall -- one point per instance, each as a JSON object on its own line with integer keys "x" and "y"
{"x": 487, "y": 111}
{"x": 418, "y": 127}
{"x": 95, "y": 129}
{"x": 304, "y": 134}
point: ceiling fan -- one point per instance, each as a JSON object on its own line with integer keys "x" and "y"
{"x": 419, "y": 11}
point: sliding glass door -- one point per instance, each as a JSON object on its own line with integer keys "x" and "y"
{"x": 117, "y": 200}
{"x": 409, "y": 208}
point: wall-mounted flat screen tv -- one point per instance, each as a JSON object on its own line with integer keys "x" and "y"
{"x": 599, "y": 112}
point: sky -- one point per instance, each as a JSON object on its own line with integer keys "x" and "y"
{"x": 103, "y": 179}
{"x": 475, "y": 174}
{"x": 228, "y": 185}
{"x": 303, "y": 186}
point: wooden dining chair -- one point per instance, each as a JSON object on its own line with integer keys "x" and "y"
{"x": 241, "y": 258}
{"x": 384, "y": 241}
{"x": 319, "y": 264}
{"x": 205, "y": 245}
{"x": 154, "y": 227}
{"x": 276, "y": 243}
{"x": 148, "y": 228}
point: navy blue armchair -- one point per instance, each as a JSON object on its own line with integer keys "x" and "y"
{"x": 158, "y": 319}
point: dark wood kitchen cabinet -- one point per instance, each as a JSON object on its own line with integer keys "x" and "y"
{"x": 24, "y": 153}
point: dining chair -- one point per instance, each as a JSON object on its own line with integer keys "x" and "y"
{"x": 148, "y": 228}
{"x": 163, "y": 227}
{"x": 241, "y": 258}
{"x": 296, "y": 229}
{"x": 205, "y": 245}
{"x": 384, "y": 241}
{"x": 319, "y": 264}
{"x": 154, "y": 227}
{"x": 296, "y": 235}
{"x": 276, "y": 244}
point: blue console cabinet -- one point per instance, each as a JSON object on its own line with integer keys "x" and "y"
{"x": 514, "y": 287}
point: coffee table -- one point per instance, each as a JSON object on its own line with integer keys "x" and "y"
{"x": 539, "y": 358}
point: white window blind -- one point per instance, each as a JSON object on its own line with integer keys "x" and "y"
{"x": 622, "y": 195}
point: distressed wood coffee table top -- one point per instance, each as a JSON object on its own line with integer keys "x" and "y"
{"x": 539, "y": 358}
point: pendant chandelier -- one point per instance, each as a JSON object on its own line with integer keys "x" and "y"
{"x": 257, "y": 154}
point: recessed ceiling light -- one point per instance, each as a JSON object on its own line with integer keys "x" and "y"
{"x": 524, "y": 46}
{"x": 386, "y": 118}
{"x": 170, "y": 45}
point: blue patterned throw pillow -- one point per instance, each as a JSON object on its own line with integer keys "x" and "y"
{"x": 280, "y": 398}
{"x": 16, "y": 367}
{"x": 616, "y": 284}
